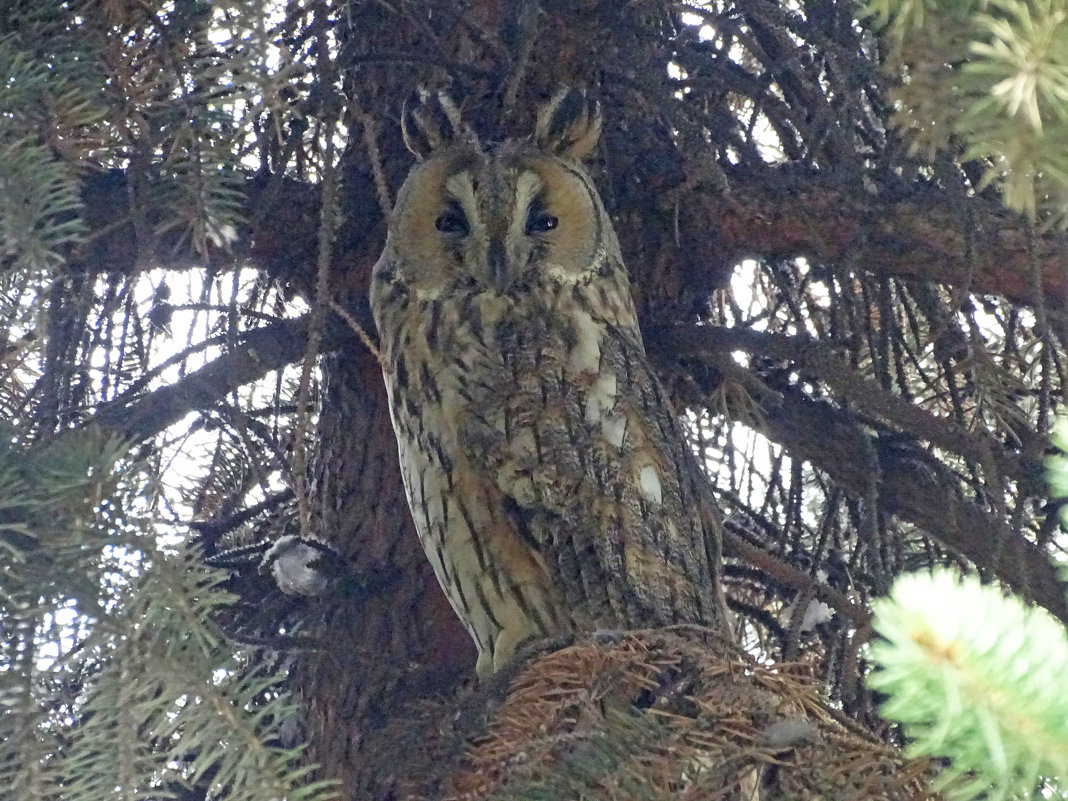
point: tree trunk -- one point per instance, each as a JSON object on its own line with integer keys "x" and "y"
{"x": 397, "y": 643}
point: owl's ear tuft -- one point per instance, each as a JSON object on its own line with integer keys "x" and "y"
{"x": 569, "y": 125}
{"x": 431, "y": 121}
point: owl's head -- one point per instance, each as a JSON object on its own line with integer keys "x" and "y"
{"x": 500, "y": 217}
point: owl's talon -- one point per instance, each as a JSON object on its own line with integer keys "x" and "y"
{"x": 527, "y": 651}
{"x": 534, "y": 647}
{"x": 607, "y": 636}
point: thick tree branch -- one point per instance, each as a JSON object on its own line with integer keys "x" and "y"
{"x": 918, "y": 235}
{"x": 770, "y": 215}
{"x": 820, "y": 361}
{"x": 263, "y": 349}
{"x": 917, "y": 489}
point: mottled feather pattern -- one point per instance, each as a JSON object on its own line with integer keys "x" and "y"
{"x": 547, "y": 474}
{"x": 588, "y": 464}
{"x": 493, "y": 577}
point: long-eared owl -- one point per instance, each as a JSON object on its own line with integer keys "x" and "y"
{"x": 549, "y": 478}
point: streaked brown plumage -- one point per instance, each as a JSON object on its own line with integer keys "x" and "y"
{"x": 547, "y": 474}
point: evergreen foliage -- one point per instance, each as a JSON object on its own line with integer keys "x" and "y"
{"x": 994, "y": 77}
{"x": 904, "y": 376}
{"x": 979, "y": 682}
{"x": 976, "y": 676}
{"x": 39, "y": 197}
{"x": 115, "y": 679}
{"x": 167, "y": 92}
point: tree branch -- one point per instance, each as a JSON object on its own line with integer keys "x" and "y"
{"x": 773, "y": 214}
{"x": 820, "y": 361}
{"x": 772, "y": 566}
{"x": 919, "y": 235}
{"x": 917, "y": 489}
{"x": 139, "y": 416}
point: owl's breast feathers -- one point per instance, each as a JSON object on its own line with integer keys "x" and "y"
{"x": 549, "y": 478}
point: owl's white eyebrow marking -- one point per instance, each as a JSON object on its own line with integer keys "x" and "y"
{"x": 462, "y": 188}
{"x": 527, "y": 187}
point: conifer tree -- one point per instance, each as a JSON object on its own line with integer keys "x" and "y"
{"x": 844, "y": 227}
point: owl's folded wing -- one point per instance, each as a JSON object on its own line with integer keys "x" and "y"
{"x": 597, "y": 477}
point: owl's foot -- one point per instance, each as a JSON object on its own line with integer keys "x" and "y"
{"x": 607, "y": 636}
{"x": 531, "y": 647}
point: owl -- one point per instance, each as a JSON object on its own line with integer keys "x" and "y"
{"x": 548, "y": 476}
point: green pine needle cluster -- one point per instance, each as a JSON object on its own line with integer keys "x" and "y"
{"x": 174, "y": 108}
{"x": 39, "y": 199}
{"x": 991, "y": 76}
{"x": 978, "y": 678}
{"x": 114, "y": 680}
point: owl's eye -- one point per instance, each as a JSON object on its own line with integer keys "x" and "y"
{"x": 539, "y": 222}
{"x": 452, "y": 222}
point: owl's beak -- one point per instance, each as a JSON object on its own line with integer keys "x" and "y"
{"x": 498, "y": 262}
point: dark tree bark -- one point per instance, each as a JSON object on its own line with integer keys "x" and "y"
{"x": 380, "y": 654}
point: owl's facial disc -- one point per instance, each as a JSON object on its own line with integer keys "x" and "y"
{"x": 510, "y": 222}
